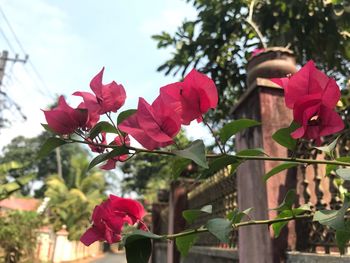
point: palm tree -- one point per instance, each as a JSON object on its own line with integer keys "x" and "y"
{"x": 74, "y": 196}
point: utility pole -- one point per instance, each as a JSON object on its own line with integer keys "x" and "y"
{"x": 4, "y": 58}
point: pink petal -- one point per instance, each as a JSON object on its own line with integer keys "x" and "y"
{"x": 206, "y": 88}
{"x": 90, "y": 101}
{"x": 298, "y": 133}
{"x": 109, "y": 165}
{"x": 129, "y": 206}
{"x": 171, "y": 96}
{"x": 131, "y": 126}
{"x": 90, "y": 236}
{"x": 170, "y": 122}
{"x": 304, "y": 103}
{"x": 331, "y": 122}
{"x": 331, "y": 94}
{"x": 150, "y": 123}
{"x": 96, "y": 84}
{"x": 61, "y": 122}
{"x": 113, "y": 97}
{"x": 301, "y": 84}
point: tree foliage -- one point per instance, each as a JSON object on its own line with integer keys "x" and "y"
{"x": 17, "y": 235}
{"x": 220, "y": 41}
{"x": 24, "y": 151}
{"x": 73, "y": 197}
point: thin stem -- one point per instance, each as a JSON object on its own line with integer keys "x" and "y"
{"x": 253, "y": 25}
{"x": 213, "y": 134}
{"x": 108, "y": 114}
{"x": 214, "y": 156}
{"x": 235, "y": 226}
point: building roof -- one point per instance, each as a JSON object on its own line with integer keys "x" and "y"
{"x": 22, "y": 204}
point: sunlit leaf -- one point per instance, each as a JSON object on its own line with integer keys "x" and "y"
{"x": 283, "y": 137}
{"x": 279, "y": 168}
{"x": 234, "y": 127}
{"x": 192, "y": 214}
{"x": 221, "y": 228}
{"x": 50, "y": 144}
{"x": 185, "y": 243}
{"x": 195, "y": 152}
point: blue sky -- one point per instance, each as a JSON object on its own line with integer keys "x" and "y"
{"x": 68, "y": 43}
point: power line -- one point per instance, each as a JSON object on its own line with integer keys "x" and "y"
{"x": 7, "y": 40}
{"x": 12, "y": 31}
{"x": 34, "y": 69}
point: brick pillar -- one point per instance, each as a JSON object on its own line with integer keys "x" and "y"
{"x": 263, "y": 101}
{"x": 176, "y": 223}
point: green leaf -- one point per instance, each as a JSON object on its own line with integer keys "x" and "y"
{"x": 221, "y": 228}
{"x": 49, "y": 146}
{"x": 283, "y": 137}
{"x": 102, "y": 126}
{"x": 277, "y": 227}
{"x": 234, "y": 127}
{"x": 140, "y": 234}
{"x": 192, "y": 214}
{"x": 47, "y": 128}
{"x": 219, "y": 163}
{"x": 329, "y": 149}
{"x": 333, "y": 218}
{"x": 138, "y": 246}
{"x": 179, "y": 165}
{"x": 288, "y": 201}
{"x": 344, "y": 173}
{"x": 279, "y": 168}
{"x": 251, "y": 152}
{"x": 331, "y": 167}
{"x": 195, "y": 152}
{"x": 138, "y": 251}
{"x": 105, "y": 156}
{"x": 342, "y": 236}
{"x": 236, "y": 216}
{"x": 124, "y": 115}
{"x": 184, "y": 243}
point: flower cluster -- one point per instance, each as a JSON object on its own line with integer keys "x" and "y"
{"x": 65, "y": 120}
{"x": 155, "y": 125}
{"x": 312, "y": 96}
{"x": 110, "y": 216}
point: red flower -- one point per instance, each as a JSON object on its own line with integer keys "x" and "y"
{"x": 109, "y": 97}
{"x": 111, "y": 163}
{"x": 312, "y": 96}
{"x": 64, "y": 119}
{"x": 153, "y": 125}
{"x": 109, "y": 217}
{"x": 192, "y": 97}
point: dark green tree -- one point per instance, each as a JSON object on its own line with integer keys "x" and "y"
{"x": 24, "y": 151}
{"x": 221, "y": 39}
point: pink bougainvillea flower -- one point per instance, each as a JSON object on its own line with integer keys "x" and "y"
{"x": 312, "y": 96}
{"x": 107, "y": 98}
{"x": 109, "y": 217}
{"x": 192, "y": 97}
{"x": 309, "y": 80}
{"x": 111, "y": 163}
{"x": 153, "y": 126}
{"x": 63, "y": 119}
